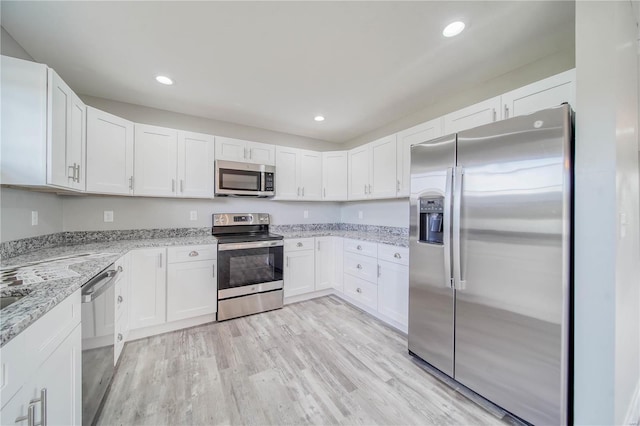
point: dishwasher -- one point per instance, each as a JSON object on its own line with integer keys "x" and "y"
{"x": 98, "y": 325}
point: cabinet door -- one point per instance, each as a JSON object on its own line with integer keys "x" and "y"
{"x": 420, "y": 133}
{"x": 299, "y": 273}
{"x": 147, "y": 287}
{"x": 334, "y": 175}
{"x": 542, "y": 94}
{"x": 195, "y": 165}
{"x": 393, "y": 291}
{"x": 191, "y": 289}
{"x": 16, "y": 407}
{"x": 359, "y": 173}
{"x": 382, "y": 175}
{"x": 231, "y": 149}
{"x": 475, "y": 115}
{"x": 310, "y": 172}
{"x": 155, "y": 159}
{"x": 261, "y": 153}
{"x": 109, "y": 153}
{"x": 287, "y": 182}
{"x": 59, "y": 173}
{"x": 60, "y": 376}
{"x": 77, "y": 142}
{"x": 338, "y": 263}
{"x": 324, "y": 262}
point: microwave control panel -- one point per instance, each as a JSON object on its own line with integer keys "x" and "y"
{"x": 268, "y": 181}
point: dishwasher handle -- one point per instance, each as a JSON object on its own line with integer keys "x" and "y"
{"x": 98, "y": 285}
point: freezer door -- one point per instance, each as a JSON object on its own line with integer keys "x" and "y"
{"x": 431, "y": 298}
{"x": 512, "y": 302}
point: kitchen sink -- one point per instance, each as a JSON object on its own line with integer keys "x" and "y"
{"x": 8, "y": 300}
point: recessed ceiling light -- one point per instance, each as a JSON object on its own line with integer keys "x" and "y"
{"x": 453, "y": 29}
{"x": 318, "y": 118}
{"x": 164, "y": 80}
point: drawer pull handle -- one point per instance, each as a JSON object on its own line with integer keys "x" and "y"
{"x": 397, "y": 256}
{"x": 359, "y": 266}
{"x": 30, "y": 417}
{"x": 119, "y": 337}
{"x": 359, "y": 247}
{"x": 194, "y": 254}
{"x": 120, "y": 299}
{"x": 299, "y": 245}
{"x": 358, "y": 290}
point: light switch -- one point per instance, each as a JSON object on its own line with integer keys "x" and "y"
{"x": 108, "y": 215}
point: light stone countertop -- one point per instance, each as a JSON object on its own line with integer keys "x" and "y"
{"x": 42, "y": 297}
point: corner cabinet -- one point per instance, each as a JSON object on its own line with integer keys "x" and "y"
{"x": 372, "y": 170}
{"x": 109, "y": 153}
{"x": 245, "y": 151}
{"x": 43, "y": 128}
{"x": 298, "y": 174}
{"x": 334, "y": 176}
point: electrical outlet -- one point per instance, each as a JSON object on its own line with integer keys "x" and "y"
{"x": 360, "y": 214}
{"x": 306, "y": 214}
{"x": 34, "y": 218}
{"x": 108, "y": 215}
{"x": 193, "y": 215}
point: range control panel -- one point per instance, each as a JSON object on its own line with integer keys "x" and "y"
{"x": 229, "y": 219}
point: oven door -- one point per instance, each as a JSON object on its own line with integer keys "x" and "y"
{"x": 250, "y": 267}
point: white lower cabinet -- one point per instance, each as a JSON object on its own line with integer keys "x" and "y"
{"x": 122, "y": 305}
{"x": 393, "y": 291}
{"x": 191, "y": 284}
{"x": 50, "y": 365}
{"x": 148, "y": 287}
{"x": 299, "y": 267}
{"x": 324, "y": 262}
{"x": 363, "y": 292}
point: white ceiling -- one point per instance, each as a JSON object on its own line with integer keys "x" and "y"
{"x": 275, "y": 65}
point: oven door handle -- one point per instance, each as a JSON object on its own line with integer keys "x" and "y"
{"x": 250, "y": 245}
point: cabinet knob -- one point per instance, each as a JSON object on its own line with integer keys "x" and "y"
{"x": 120, "y": 299}
{"x": 359, "y": 247}
{"x": 119, "y": 337}
{"x": 299, "y": 245}
{"x": 359, "y": 290}
{"x": 359, "y": 266}
{"x": 194, "y": 254}
{"x": 397, "y": 256}
{"x": 120, "y": 269}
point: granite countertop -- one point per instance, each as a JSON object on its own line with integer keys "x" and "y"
{"x": 376, "y": 237}
{"x": 44, "y": 296}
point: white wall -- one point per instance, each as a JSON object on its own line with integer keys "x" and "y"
{"x": 87, "y": 213}
{"x": 15, "y": 214}
{"x": 10, "y": 47}
{"x": 607, "y": 256}
{"x": 379, "y": 212}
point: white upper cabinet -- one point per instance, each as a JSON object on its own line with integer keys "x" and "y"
{"x": 372, "y": 170}
{"x": 423, "y": 132}
{"x": 156, "y": 150}
{"x": 334, "y": 175}
{"x": 195, "y": 165}
{"x": 542, "y": 94}
{"x": 298, "y": 174}
{"x": 472, "y": 116}
{"x": 109, "y": 153}
{"x": 245, "y": 151}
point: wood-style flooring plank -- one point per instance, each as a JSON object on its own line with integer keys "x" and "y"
{"x": 316, "y": 362}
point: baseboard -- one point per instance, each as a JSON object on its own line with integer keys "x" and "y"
{"x": 141, "y": 333}
{"x": 307, "y": 296}
{"x": 373, "y": 312}
{"x": 633, "y": 412}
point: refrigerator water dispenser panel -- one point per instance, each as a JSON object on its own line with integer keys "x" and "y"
{"x": 431, "y": 219}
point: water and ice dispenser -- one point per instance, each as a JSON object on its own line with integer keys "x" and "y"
{"x": 431, "y": 219}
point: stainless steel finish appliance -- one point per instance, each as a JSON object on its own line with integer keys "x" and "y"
{"x": 98, "y": 299}
{"x": 244, "y": 179}
{"x": 250, "y": 261}
{"x": 490, "y": 261}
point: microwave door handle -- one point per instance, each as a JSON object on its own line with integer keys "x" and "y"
{"x": 446, "y": 231}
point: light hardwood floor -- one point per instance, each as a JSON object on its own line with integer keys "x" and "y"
{"x": 315, "y": 362}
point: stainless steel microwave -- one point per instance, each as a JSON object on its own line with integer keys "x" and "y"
{"x": 244, "y": 179}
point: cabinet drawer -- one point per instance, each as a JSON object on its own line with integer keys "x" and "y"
{"x": 44, "y": 336}
{"x": 366, "y": 248}
{"x": 192, "y": 253}
{"x": 364, "y": 267}
{"x": 394, "y": 254}
{"x": 298, "y": 244}
{"x": 361, "y": 291}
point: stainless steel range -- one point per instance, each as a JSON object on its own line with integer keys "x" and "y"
{"x": 250, "y": 262}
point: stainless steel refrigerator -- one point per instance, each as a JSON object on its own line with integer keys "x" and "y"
{"x": 490, "y": 261}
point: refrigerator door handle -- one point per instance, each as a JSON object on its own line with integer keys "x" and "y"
{"x": 459, "y": 282}
{"x": 446, "y": 231}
